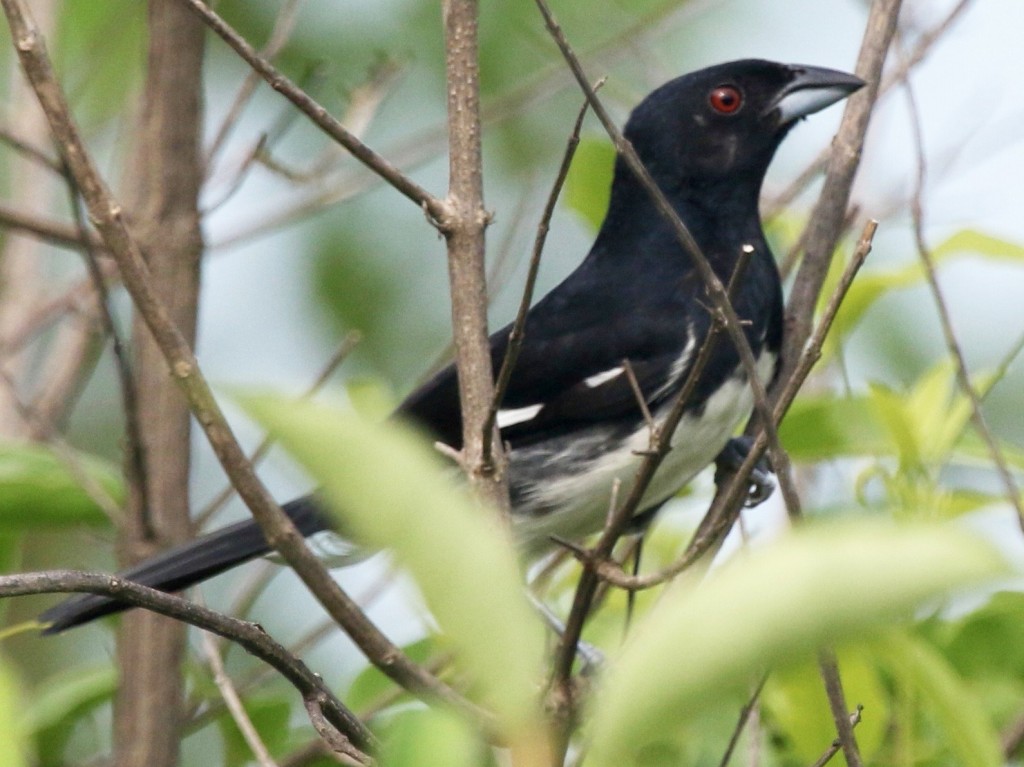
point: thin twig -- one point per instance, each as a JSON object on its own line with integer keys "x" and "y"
{"x": 436, "y": 208}
{"x": 516, "y": 335}
{"x": 348, "y": 343}
{"x": 27, "y": 150}
{"x": 249, "y": 635}
{"x": 279, "y": 35}
{"x": 741, "y": 722}
{"x": 731, "y": 324}
{"x": 55, "y": 233}
{"x": 829, "y": 668}
{"x": 826, "y": 220}
{"x": 74, "y": 300}
{"x": 234, "y": 703}
{"x": 641, "y": 402}
{"x": 717, "y": 521}
{"x": 836, "y": 746}
{"x": 281, "y": 534}
{"x": 945, "y": 320}
{"x": 134, "y": 454}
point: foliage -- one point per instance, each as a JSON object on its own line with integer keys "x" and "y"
{"x": 935, "y": 659}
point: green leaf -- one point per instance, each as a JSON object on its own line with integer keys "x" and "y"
{"x": 872, "y": 285}
{"x": 588, "y": 185}
{"x": 987, "y": 642}
{"x": 38, "y": 488}
{"x": 372, "y": 684}
{"x": 767, "y": 609}
{"x": 959, "y": 715}
{"x": 979, "y": 243}
{"x": 60, "y": 702}
{"x": 824, "y": 427}
{"x": 14, "y": 748}
{"x": 390, "y": 487}
{"x": 269, "y": 716}
{"x": 430, "y": 738}
{"x": 796, "y": 704}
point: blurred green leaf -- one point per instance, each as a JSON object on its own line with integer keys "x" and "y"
{"x": 13, "y": 741}
{"x": 430, "y": 738}
{"x": 822, "y": 427}
{"x": 269, "y": 716}
{"x": 39, "y": 489}
{"x": 872, "y": 285}
{"x": 958, "y": 714}
{"x": 987, "y": 642}
{"x": 370, "y": 397}
{"x": 588, "y": 185}
{"x": 393, "y": 490}
{"x": 927, "y": 421}
{"x": 798, "y": 709}
{"x": 99, "y": 53}
{"x": 372, "y": 684}
{"x": 979, "y": 243}
{"x": 62, "y": 701}
{"x": 767, "y": 609}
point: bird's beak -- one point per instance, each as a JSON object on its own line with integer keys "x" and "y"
{"x": 812, "y": 89}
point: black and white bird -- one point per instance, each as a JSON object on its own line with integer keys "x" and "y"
{"x": 570, "y": 416}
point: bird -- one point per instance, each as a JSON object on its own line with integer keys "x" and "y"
{"x": 626, "y": 323}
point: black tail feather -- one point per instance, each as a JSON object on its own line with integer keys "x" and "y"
{"x": 186, "y": 565}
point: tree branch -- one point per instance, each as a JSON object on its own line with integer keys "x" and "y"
{"x": 826, "y": 222}
{"x": 107, "y": 216}
{"x": 250, "y": 636}
{"x": 837, "y": 703}
{"x": 465, "y": 238}
{"x": 515, "y": 338}
{"x": 437, "y": 209}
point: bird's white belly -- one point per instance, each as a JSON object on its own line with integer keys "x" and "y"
{"x": 582, "y": 499}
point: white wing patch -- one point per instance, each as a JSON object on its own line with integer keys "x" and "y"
{"x": 599, "y": 378}
{"x": 517, "y": 415}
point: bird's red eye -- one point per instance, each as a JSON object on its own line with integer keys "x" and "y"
{"x": 725, "y": 99}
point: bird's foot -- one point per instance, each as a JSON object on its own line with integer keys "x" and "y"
{"x": 735, "y": 452}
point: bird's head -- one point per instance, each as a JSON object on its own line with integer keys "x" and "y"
{"x": 725, "y": 122}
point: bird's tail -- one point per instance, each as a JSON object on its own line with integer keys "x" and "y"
{"x": 187, "y": 564}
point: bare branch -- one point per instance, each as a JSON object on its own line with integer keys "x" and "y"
{"x": 837, "y": 745}
{"x": 248, "y": 635}
{"x": 728, "y": 500}
{"x": 826, "y": 221}
{"x": 107, "y": 215}
{"x": 437, "y": 209}
{"x": 467, "y": 276}
{"x": 515, "y": 338}
{"x": 741, "y": 722}
{"x": 279, "y": 35}
{"x": 234, "y": 703}
{"x": 53, "y": 232}
{"x": 829, "y": 668}
{"x": 963, "y": 375}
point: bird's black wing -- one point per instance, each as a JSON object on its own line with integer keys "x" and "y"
{"x": 575, "y": 364}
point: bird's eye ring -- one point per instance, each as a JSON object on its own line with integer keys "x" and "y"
{"x": 726, "y": 99}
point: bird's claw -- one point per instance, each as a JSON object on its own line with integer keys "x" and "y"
{"x": 735, "y": 452}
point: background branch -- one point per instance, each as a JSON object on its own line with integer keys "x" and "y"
{"x": 248, "y": 635}
{"x": 280, "y": 532}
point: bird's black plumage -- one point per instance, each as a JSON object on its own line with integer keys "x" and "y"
{"x": 570, "y": 415}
